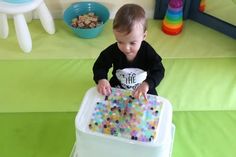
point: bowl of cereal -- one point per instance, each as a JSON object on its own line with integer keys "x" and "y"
{"x": 86, "y": 19}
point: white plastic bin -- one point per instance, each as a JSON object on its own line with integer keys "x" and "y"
{"x": 94, "y": 144}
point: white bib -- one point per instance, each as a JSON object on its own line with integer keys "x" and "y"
{"x": 130, "y": 78}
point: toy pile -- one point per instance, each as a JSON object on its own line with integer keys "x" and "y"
{"x": 89, "y": 20}
{"x": 173, "y": 20}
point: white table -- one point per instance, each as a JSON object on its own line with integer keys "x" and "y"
{"x": 22, "y": 32}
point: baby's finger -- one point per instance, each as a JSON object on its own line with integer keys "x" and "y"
{"x": 137, "y": 94}
{"x": 145, "y": 96}
{"x": 104, "y": 91}
{"x": 100, "y": 90}
{"x": 108, "y": 91}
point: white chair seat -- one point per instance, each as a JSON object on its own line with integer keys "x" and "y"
{"x": 22, "y": 32}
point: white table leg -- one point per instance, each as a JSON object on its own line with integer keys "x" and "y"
{"x": 46, "y": 18}
{"x": 22, "y": 33}
{"x": 4, "y": 30}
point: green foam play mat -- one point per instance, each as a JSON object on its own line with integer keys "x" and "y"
{"x": 195, "y": 41}
{"x": 41, "y": 92}
{"x": 60, "y": 85}
{"x": 205, "y": 133}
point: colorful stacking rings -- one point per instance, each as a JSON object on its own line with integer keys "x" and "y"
{"x": 173, "y": 20}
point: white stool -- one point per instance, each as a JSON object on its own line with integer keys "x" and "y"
{"x": 22, "y": 31}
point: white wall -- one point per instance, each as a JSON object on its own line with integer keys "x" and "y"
{"x": 57, "y": 7}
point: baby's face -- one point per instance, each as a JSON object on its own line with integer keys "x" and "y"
{"x": 130, "y": 43}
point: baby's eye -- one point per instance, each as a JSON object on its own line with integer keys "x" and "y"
{"x": 132, "y": 43}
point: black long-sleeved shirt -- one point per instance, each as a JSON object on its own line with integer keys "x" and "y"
{"x": 146, "y": 59}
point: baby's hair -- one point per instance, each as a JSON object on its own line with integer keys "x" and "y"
{"x": 127, "y": 16}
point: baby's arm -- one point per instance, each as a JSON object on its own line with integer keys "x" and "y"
{"x": 104, "y": 87}
{"x": 100, "y": 71}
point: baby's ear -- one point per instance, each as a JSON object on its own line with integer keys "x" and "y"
{"x": 144, "y": 35}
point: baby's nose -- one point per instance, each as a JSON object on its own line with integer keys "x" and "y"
{"x": 127, "y": 48}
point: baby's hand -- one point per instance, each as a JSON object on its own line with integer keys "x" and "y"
{"x": 142, "y": 89}
{"x": 104, "y": 87}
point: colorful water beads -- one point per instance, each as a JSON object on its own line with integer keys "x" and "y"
{"x": 122, "y": 115}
